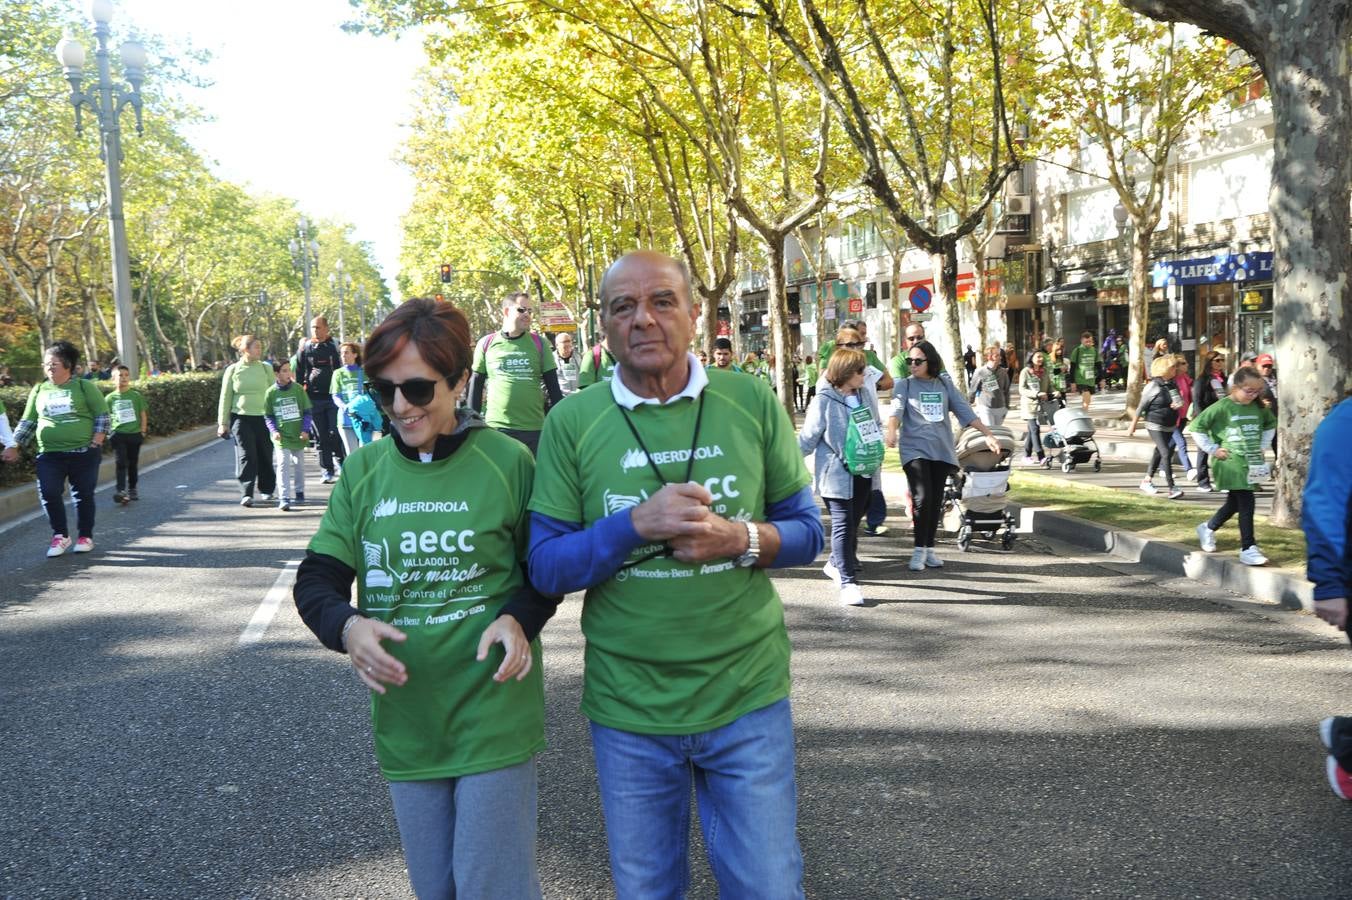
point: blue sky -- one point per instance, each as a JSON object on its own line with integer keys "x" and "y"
{"x": 301, "y": 108}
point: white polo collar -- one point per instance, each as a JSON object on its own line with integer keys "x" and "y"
{"x": 626, "y": 398}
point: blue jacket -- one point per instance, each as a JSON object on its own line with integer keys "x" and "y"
{"x": 823, "y": 435}
{"x": 1326, "y": 510}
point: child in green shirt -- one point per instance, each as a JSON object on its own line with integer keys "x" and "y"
{"x": 1234, "y": 432}
{"x": 286, "y": 410}
{"x": 128, "y": 412}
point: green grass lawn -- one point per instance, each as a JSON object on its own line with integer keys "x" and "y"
{"x": 1157, "y": 517}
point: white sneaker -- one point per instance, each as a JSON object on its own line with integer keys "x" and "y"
{"x": 1252, "y": 556}
{"x": 59, "y": 545}
{"x": 850, "y": 595}
{"x": 84, "y": 545}
{"x": 1207, "y": 538}
{"x": 1192, "y": 475}
{"x": 932, "y": 559}
{"x": 831, "y": 572}
{"x": 1175, "y": 494}
{"x": 1148, "y": 486}
{"x": 917, "y": 563}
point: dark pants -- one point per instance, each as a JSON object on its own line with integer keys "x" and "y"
{"x": 877, "y": 510}
{"x": 1203, "y": 468}
{"x": 1032, "y": 441}
{"x": 1163, "y": 455}
{"x": 845, "y": 515}
{"x": 128, "y": 450}
{"x": 926, "y": 478}
{"x": 253, "y": 455}
{"x": 324, "y": 415}
{"x": 798, "y": 394}
{"x": 81, "y": 467}
{"x": 530, "y": 438}
{"x": 1236, "y": 502}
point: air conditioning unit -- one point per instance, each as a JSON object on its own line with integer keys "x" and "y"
{"x": 1018, "y": 205}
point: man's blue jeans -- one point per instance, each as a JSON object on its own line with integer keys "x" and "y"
{"x": 81, "y": 467}
{"x": 748, "y": 807}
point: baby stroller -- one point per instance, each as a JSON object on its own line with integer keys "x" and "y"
{"x": 1073, "y": 432}
{"x": 975, "y": 497}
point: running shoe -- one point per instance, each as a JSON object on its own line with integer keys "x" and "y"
{"x": 850, "y": 595}
{"x": 1192, "y": 475}
{"x": 1204, "y": 487}
{"x": 1148, "y": 486}
{"x": 84, "y": 545}
{"x": 917, "y": 563}
{"x": 246, "y": 502}
{"x": 831, "y": 572}
{"x": 120, "y": 497}
{"x": 327, "y": 478}
{"x": 932, "y": 559}
{"x": 1175, "y": 494}
{"x": 132, "y": 495}
{"x": 59, "y": 545}
{"x": 300, "y": 496}
{"x": 1252, "y": 556}
{"x": 874, "y": 532}
{"x": 284, "y": 505}
{"x": 1206, "y": 537}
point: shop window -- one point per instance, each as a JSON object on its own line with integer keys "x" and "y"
{"x": 871, "y": 295}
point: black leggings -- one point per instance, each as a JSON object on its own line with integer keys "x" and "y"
{"x": 253, "y": 455}
{"x": 926, "y": 478}
{"x": 1236, "y": 502}
{"x": 1163, "y": 457}
{"x": 128, "y": 450}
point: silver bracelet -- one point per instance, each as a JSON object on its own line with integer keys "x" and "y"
{"x": 347, "y": 626}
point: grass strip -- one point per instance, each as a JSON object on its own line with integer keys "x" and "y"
{"x": 1158, "y": 518}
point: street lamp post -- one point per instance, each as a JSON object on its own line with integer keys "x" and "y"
{"x": 338, "y": 283}
{"x": 361, "y": 309}
{"x": 304, "y": 256}
{"x": 107, "y": 102}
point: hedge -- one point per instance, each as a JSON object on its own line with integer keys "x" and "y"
{"x": 176, "y": 403}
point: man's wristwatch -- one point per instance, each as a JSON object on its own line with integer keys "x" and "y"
{"x": 752, "y": 547}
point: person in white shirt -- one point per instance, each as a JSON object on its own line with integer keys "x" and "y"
{"x": 569, "y": 364}
{"x": 11, "y": 451}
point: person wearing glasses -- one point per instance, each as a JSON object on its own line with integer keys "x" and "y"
{"x": 921, "y": 405}
{"x": 510, "y": 365}
{"x": 433, "y": 526}
{"x": 666, "y": 495}
{"x": 898, "y": 367}
{"x": 1267, "y": 367}
{"x": 1235, "y": 431}
{"x": 860, "y": 327}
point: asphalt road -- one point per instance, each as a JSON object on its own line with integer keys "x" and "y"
{"x": 1024, "y": 724}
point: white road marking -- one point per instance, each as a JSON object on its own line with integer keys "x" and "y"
{"x": 39, "y": 514}
{"x": 262, "y": 617}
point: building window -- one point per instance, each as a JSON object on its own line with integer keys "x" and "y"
{"x": 871, "y": 295}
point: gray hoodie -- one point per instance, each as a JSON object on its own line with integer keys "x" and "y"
{"x": 823, "y": 435}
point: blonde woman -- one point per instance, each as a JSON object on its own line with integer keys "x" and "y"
{"x": 240, "y": 414}
{"x": 1160, "y": 405}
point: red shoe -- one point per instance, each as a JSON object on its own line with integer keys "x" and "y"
{"x": 1339, "y": 779}
{"x": 84, "y": 545}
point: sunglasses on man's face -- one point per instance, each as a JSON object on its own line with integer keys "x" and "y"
{"x": 523, "y": 310}
{"x": 416, "y": 391}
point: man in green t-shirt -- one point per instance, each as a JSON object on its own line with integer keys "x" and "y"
{"x": 666, "y": 497}
{"x": 899, "y": 366}
{"x": 723, "y": 356}
{"x": 598, "y": 366}
{"x": 511, "y": 365}
{"x": 1086, "y": 368}
{"x": 127, "y": 412}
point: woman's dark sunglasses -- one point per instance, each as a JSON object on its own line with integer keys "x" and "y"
{"x": 915, "y": 360}
{"x": 416, "y": 391}
{"x": 853, "y": 344}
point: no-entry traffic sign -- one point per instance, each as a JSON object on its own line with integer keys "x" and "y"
{"x": 920, "y": 298}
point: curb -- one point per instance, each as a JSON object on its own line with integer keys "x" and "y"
{"x": 23, "y": 499}
{"x": 1259, "y": 583}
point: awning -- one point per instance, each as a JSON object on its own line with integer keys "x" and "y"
{"x": 1076, "y": 290}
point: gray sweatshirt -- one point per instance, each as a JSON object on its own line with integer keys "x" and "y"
{"x": 922, "y": 406}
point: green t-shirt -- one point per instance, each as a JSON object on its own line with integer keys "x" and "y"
{"x": 1056, "y": 372}
{"x": 589, "y": 374}
{"x": 810, "y": 374}
{"x": 732, "y": 367}
{"x": 243, "y": 388}
{"x": 64, "y": 414}
{"x": 672, "y": 647}
{"x": 514, "y": 369}
{"x": 899, "y": 367}
{"x": 873, "y": 360}
{"x": 1239, "y": 429}
{"x": 1084, "y": 365}
{"x": 286, "y": 408}
{"x": 439, "y": 548}
{"x": 346, "y": 383}
{"x": 124, "y": 411}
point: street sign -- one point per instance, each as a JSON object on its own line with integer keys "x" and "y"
{"x": 554, "y": 317}
{"x": 829, "y": 313}
{"x": 920, "y": 298}
{"x": 856, "y": 305}
{"x": 922, "y": 317}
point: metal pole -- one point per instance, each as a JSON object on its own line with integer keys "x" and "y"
{"x": 124, "y": 311}
{"x": 342, "y": 332}
{"x": 304, "y": 242}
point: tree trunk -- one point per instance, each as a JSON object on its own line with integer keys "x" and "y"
{"x": 1138, "y": 302}
{"x": 780, "y": 338}
{"x": 944, "y": 265}
{"x": 706, "y": 329}
{"x": 1309, "y": 203}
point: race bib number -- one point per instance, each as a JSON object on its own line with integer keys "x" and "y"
{"x": 288, "y": 410}
{"x": 991, "y": 385}
{"x": 57, "y": 403}
{"x": 932, "y": 406}
{"x": 124, "y": 412}
{"x": 1259, "y": 472}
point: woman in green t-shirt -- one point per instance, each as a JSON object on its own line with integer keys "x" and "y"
{"x": 240, "y": 414}
{"x": 69, "y": 419}
{"x": 436, "y": 521}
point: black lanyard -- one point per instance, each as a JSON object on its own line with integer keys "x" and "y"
{"x": 689, "y": 468}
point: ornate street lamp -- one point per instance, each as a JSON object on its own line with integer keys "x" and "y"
{"x": 338, "y": 283}
{"x": 305, "y": 257}
{"x": 107, "y": 101}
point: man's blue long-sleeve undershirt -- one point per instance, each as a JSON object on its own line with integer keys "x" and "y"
{"x": 566, "y": 557}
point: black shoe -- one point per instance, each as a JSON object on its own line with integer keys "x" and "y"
{"x": 131, "y": 494}
{"x": 300, "y": 497}
{"x": 119, "y": 497}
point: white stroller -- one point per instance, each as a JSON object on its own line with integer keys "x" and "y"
{"x": 1073, "y": 432}
{"x": 976, "y": 496}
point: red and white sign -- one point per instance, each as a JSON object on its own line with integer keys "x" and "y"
{"x": 856, "y": 305}
{"x": 554, "y": 316}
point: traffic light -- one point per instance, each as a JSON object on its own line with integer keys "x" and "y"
{"x": 445, "y": 273}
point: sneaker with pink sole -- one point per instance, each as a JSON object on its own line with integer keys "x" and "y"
{"x": 84, "y": 545}
{"x": 59, "y": 545}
